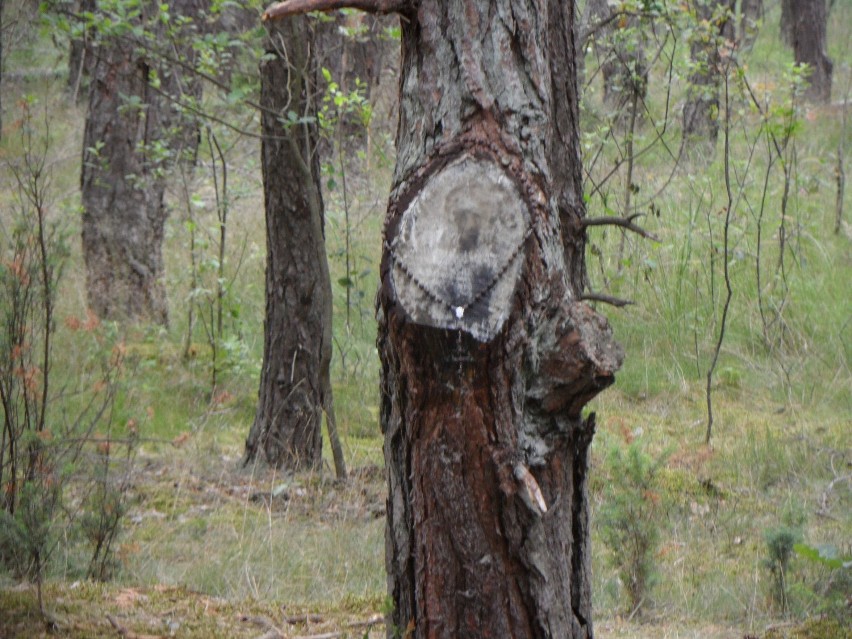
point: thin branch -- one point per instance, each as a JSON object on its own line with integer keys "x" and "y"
{"x": 623, "y": 222}
{"x": 726, "y": 248}
{"x": 606, "y": 299}
{"x": 294, "y": 7}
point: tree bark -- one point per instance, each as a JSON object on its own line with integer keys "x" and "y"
{"x": 808, "y": 31}
{"x": 619, "y": 43}
{"x": 1, "y": 69}
{"x": 134, "y": 134}
{"x": 751, "y": 15}
{"x": 788, "y": 10}
{"x": 295, "y": 382}
{"x": 714, "y": 32}
{"x": 488, "y": 356}
{"x": 80, "y": 55}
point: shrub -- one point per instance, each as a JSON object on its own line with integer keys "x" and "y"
{"x": 630, "y": 519}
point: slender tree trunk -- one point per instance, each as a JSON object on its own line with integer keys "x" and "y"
{"x": 295, "y": 382}
{"x": 701, "y": 110}
{"x": 808, "y": 39}
{"x": 134, "y": 134}
{"x": 488, "y": 355}
{"x": 80, "y": 56}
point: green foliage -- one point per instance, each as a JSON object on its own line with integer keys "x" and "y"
{"x": 28, "y": 535}
{"x": 630, "y": 519}
{"x": 779, "y": 550}
{"x": 46, "y": 427}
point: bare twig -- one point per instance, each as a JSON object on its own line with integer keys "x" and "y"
{"x": 294, "y": 7}
{"x": 728, "y": 289}
{"x": 624, "y": 222}
{"x": 128, "y": 634}
{"x": 606, "y": 299}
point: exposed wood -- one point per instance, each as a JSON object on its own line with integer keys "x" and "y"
{"x": 456, "y": 253}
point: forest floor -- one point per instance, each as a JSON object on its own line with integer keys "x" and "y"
{"x": 186, "y": 504}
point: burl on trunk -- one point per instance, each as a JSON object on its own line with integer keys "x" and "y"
{"x": 488, "y": 353}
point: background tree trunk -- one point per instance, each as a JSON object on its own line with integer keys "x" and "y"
{"x": 751, "y": 16}
{"x": 701, "y": 110}
{"x": 808, "y": 39}
{"x": 620, "y": 47}
{"x": 295, "y": 382}
{"x": 134, "y": 133}
{"x": 80, "y": 55}
{"x": 487, "y": 355}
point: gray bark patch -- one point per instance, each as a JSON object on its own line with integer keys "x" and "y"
{"x": 458, "y": 253}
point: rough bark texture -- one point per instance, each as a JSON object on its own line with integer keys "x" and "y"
{"x": 486, "y": 449}
{"x": 808, "y": 39}
{"x": 701, "y": 110}
{"x": 133, "y": 135}
{"x": 295, "y": 384}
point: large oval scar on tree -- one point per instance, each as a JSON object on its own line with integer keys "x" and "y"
{"x": 488, "y": 352}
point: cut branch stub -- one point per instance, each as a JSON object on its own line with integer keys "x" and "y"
{"x": 458, "y": 251}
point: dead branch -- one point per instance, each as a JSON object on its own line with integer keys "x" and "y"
{"x": 303, "y": 619}
{"x": 606, "y": 299}
{"x": 128, "y": 634}
{"x": 294, "y": 7}
{"x": 623, "y": 222}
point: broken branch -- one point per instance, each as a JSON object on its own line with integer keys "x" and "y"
{"x": 294, "y": 7}
{"x": 606, "y": 299}
{"x": 623, "y": 222}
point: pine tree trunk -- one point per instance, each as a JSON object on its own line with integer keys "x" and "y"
{"x": 788, "y": 19}
{"x": 133, "y": 135}
{"x": 295, "y": 384}
{"x": 808, "y": 39}
{"x": 487, "y": 355}
{"x": 701, "y": 110}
